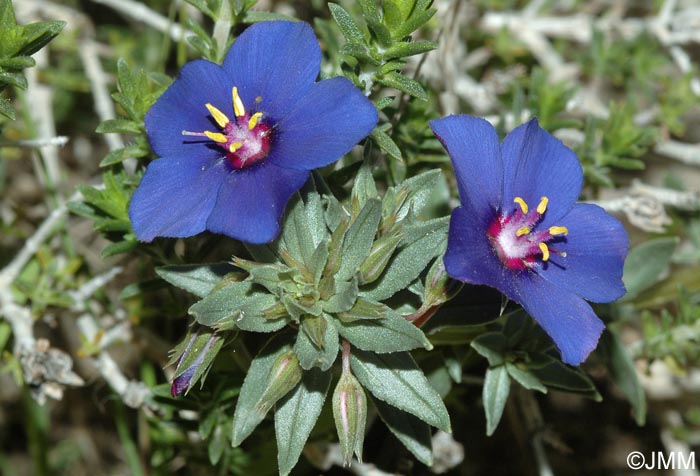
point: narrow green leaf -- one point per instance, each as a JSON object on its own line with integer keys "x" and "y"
{"x": 296, "y": 416}
{"x": 624, "y": 374}
{"x": 119, "y": 126}
{"x": 386, "y": 143}
{"x": 359, "y": 238}
{"x": 424, "y": 242}
{"x": 350, "y": 30}
{"x": 397, "y": 380}
{"x": 237, "y": 305}
{"x": 405, "y": 48}
{"x": 414, "y": 22}
{"x": 199, "y": 279}
{"x": 412, "y": 432}
{"x": 391, "y": 334}
{"x": 6, "y": 109}
{"x": 525, "y": 378}
{"x": 311, "y": 355}
{"x": 403, "y": 83}
{"x": 492, "y": 346}
{"x": 646, "y": 262}
{"x": 495, "y": 395}
{"x": 247, "y": 415}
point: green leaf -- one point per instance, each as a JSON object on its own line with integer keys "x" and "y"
{"x": 414, "y": 22}
{"x": 397, "y": 380}
{"x": 386, "y": 143}
{"x": 556, "y": 374}
{"x": 525, "y": 378}
{"x": 492, "y": 346}
{"x": 296, "y": 416}
{"x": 343, "y": 298}
{"x": 645, "y": 263}
{"x": 350, "y": 30}
{"x": 257, "y": 16}
{"x": 237, "y": 305}
{"x": 624, "y": 374}
{"x": 364, "y": 187}
{"x": 412, "y": 432}
{"x": 495, "y": 396}
{"x": 37, "y": 35}
{"x": 358, "y": 239}
{"x": 119, "y": 126}
{"x": 422, "y": 243}
{"x": 6, "y": 109}
{"x": 363, "y": 309}
{"x": 405, "y": 49}
{"x": 391, "y": 334}
{"x": 199, "y": 279}
{"x": 247, "y": 415}
{"x": 296, "y": 236}
{"x": 312, "y": 355}
{"x": 403, "y": 83}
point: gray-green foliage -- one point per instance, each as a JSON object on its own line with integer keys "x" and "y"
{"x": 325, "y": 278}
{"x": 17, "y": 44}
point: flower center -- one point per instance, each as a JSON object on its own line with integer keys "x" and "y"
{"x": 517, "y": 242}
{"x": 246, "y": 139}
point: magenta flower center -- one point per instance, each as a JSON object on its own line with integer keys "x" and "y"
{"x": 245, "y": 140}
{"x": 517, "y": 242}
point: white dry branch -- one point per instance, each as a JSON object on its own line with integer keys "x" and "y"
{"x": 140, "y": 12}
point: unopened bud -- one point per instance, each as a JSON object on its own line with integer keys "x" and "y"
{"x": 191, "y": 363}
{"x": 379, "y": 256}
{"x": 335, "y": 248}
{"x": 439, "y": 287}
{"x": 284, "y": 376}
{"x": 350, "y": 414}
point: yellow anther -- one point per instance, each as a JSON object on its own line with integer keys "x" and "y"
{"x": 558, "y": 230}
{"x": 235, "y": 146}
{"x": 216, "y": 136}
{"x": 218, "y": 116}
{"x": 545, "y": 252}
{"x": 523, "y": 205}
{"x": 522, "y": 231}
{"x": 542, "y": 207}
{"x": 238, "y": 108}
{"x": 254, "y": 120}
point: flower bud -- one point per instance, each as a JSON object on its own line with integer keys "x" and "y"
{"x": 439, "y": 287}
{"x": 350, "y": 414}
{"x": 284, "y": 376}
{"x": 380, "y": 254}
{"x": 191, "y": 364}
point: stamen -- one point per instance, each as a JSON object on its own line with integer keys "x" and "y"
{"x": 522, "y": 231}
{"x": 558, "y": 230}
{"x": 216, "y": 137}
{"x": 254, "y": 120}
{"x": 218, "y": 116}
{"x": 562, "y": 254}
{"x": 542, "y": 207}
{"x": 235, "y": 146}
{"x": 545, "y": 252}
{"x": 523, "y": 205}
{"x": 238, "y": 108}
{"x": 196, "y": 134}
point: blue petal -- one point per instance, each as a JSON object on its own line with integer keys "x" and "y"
{"x": 324, "y": 126}
{"x": 536, "y": 164}
{"x": 277, "y": 61}
{"x": 472, "y": 144}
{"x": 175, "y": 197}
{"x": 568, "y": 319}
{"x": 470, "y": 256}
{"x": 595, "y": 248}
{"x": 182, "y": 107}
{"x": 251, "y": 202}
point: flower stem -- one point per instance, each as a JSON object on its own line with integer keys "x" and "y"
{"x": 222, "y": 29}
{"x": 346, "y": 356}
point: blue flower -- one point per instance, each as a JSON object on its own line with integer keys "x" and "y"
{"x": 520, "y": 231}
{"x": 236, "y": 141}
